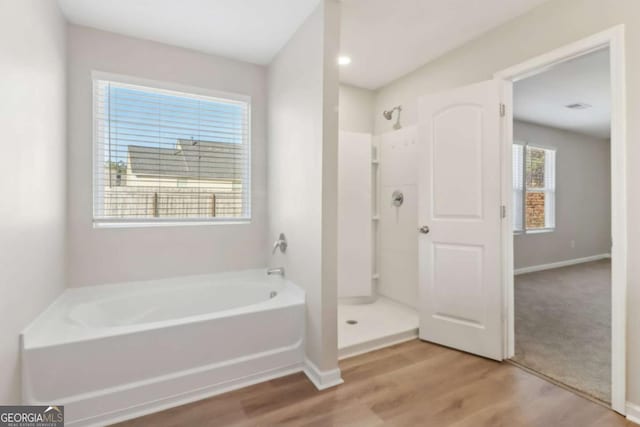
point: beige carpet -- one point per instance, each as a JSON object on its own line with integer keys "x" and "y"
{"x": 563, "y": 325}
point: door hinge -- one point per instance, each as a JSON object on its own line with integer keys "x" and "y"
{"x": 503, "y": 110}
{"x": 503, "y": 211}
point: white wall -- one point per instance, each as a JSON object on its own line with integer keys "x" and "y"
{"x": 544, "y": 28}
{"x": 32, "y": 211}
{"x": 397, "y": 235}
{"x": 303, "y": 138}
{"x": 111, "y": 255}
{"x": 356, "y": 109}
{"x": 583, "y": 198}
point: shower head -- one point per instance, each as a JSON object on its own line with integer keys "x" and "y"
{"x": 388, "y": 114}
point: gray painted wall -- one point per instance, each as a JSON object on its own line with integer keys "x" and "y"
{"x": 33, "y": 208}
{"x": 356, "y": 109}
{"x": 583, "y": 198}
{"x": 303, "y": 164}
{"x": 123, "y": 254}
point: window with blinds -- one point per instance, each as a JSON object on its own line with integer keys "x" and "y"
{"x": 534, "y": 188}
{"x": 168, "y": 156}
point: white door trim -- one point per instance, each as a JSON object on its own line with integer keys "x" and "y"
{"x": 612, "y": 38}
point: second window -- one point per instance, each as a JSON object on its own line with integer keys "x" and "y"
{"x": 534, "y": 186}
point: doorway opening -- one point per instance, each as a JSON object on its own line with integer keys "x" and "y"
{"x": 564, "y": 253}
{"x": 562, "y": 224}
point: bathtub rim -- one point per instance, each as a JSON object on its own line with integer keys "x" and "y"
{"x": 290, "y": 294}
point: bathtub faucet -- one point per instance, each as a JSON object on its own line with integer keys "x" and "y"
{"x": 279, "y": 271}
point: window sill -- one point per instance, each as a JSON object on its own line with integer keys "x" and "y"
{"x": 538, "y": 231}
{"x": 152, "y": 224}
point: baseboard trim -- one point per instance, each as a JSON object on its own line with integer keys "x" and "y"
{"x": 559, "y": 264}
{"x": 322, "y": 379}
{"x": 633, "y": 412}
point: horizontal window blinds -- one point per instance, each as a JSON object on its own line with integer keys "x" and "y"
{"x": 518, "y": 186}
{"x": 550, "y": 188}
{"x": 534, "y": 187}
{"x": 169, "y": 156}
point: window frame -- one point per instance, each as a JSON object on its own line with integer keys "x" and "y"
{"x": 525, "y": 190}
{"x": 107, "y": 222}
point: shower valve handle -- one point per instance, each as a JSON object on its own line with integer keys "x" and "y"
{"x": 281, "y": 244}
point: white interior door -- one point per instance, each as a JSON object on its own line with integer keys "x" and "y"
{"x": 459, "y": 201}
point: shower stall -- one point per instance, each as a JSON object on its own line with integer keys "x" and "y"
{"x": 377, "y": 238}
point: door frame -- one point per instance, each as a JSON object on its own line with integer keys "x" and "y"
{"x": 612, "y": 38}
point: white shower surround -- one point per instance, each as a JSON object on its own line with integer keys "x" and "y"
{"x": 355, "y": 252}
{"x": 397, "y": 227}
{"x": 114, "y": 352}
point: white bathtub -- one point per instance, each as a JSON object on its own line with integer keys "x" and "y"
{"x": 112, "y": 352}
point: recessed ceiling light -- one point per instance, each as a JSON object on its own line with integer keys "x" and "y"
{"x": 578, "y": 106}
{"x": 344, "y": 60}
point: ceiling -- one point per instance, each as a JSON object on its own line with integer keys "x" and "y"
{"x": 247, "y": 30}
{"x": 385, "y": 39}
{"x": 388, "y": 39}
{"x": 542, "y": 99}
